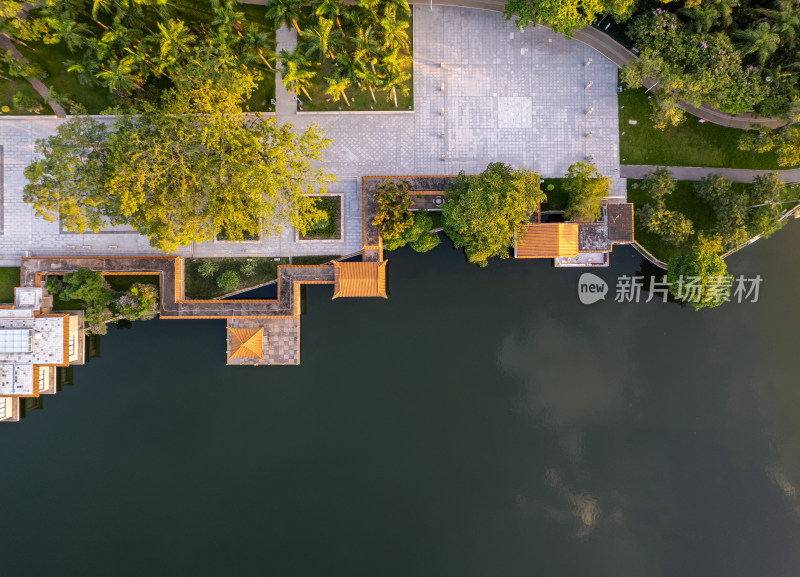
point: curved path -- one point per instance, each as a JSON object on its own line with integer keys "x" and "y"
{"x": 697, "y": 172}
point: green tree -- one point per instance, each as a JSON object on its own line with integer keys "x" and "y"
{"x": 785, "y": 21}
{"x": 587, "y": 188}
{"x": 760, "y": 41}
{"x": 673, "y": 227}
{"x": 90, "y": 287}
{"x": 658, "y": 183}
{"x": 207, "y": 268}
{"x": 285, "y": 13}
{"x": 564, "y": 16}
{"x": 394, "y": 217}
{"x": 700, "y": 277}
{"x": 767, "y": 194}
{"x": 419, "y": 236}
{"x": 296, "y": 74}
{"x": 68, "y": 180}
{"x": 482, "y": 213}
{"x": 729, "y": 206}
{"x": 139, "y": 303}
{"x": 184, "y": 170}
{"x": 228, "y": 281}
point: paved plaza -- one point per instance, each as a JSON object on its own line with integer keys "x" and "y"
{"x": 483, "y": 92}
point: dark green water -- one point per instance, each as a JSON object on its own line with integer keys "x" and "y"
{"x": 478, "y": 423}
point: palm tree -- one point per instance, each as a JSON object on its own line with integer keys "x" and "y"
{"x": 364, "y": 46}
{"x": 394, "y": 32}
{"x": 254, "y": 39}
{"x": 225, "y": 13}
{"x": 292, "y": 75}
{"x": 396, "y": 79}
{"x": 285, "y": 13}
{"x": 330, "y": 9}
{"x": 120, "y": 75}
{"x": 336, "y": 87}
{"x": 760, "y": 41}
{"x": 710, "y": 13}
{"x": 785, "y": 20}
{"x": 175, "y": 41}
{"x": 369, "y": 8}
{"x": 370, "y": 80}
{"x": 71, "y": 32}
{"x": 319, "y": 40}
{"x": 398, "y": 5}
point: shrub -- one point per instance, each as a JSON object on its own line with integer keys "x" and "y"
{"x": 586, "y": 188}
{"x": 551, "y": 187}
{"x": 25, "y": 102}
{"x": 228, "y": 280}
{"x": 140, "y": 302}
{"x": 207, "y": 268}
{"x": 248, "y": 268}
{"x": 425, "y": 242}
{"x": 394, "y": 217}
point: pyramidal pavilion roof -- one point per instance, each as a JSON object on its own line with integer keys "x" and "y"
{"x": 246, "y": 343}
{"x": 359, "y": 279}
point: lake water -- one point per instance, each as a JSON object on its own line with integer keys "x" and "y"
{"x": 480, "y": 422}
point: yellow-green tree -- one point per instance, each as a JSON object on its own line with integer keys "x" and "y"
{"x": 587, "y": 188}
{"x": 483, "y": 212}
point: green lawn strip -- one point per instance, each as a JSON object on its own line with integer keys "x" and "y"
{"x": 51, "y": 58}
{"x": 329, "y": 229}
{"x": 9, "y": 278}
{"x": 690, "y": 144}
{"x": 198, "y": 287}
{"x": 558, "y": 197}
{"x": 313, "y": 260}
{"x": 683, "y": 200}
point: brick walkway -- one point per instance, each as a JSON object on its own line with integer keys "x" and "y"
{"x": 512, "y": 97}
{"x": 696, "y": 173}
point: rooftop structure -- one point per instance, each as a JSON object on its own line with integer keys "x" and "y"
{"x": 577, "y": 244}
{"x": 33, "y": 342}
{"x": 359, "y": 279}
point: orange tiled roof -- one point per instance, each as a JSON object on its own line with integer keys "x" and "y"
{"x": 548, "y": 240}
{"x": 246, "y": 343}
{"x": 359, "y": 279}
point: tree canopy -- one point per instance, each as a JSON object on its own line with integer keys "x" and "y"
{"x": 566, "y": 15}
{"x": 587, "y": 188}
{"x": 483, "y": 212}
{"x": 700, "y": 277}
{"x": 183, "y": 170}
{"x": 672, "y": 226}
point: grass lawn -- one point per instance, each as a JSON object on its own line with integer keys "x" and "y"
{"x": 312, "y": 260}
{"x": 330, "y": 228}
{"x": 51, "y": 58}
{"x": 8, "y": 88}
{"x": 689, "y": 144}
{"x": 122, "y": 282}
{"x": 9, "y": 278}
{"x": 683, "y": 200}
{"x": 198, "y": 287}
{"x": 558, "y": 197}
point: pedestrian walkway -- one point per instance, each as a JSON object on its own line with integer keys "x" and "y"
{"x": 696, "y": 172}
{"x": 532, "y": 99}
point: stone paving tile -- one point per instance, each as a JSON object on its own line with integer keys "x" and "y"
{"x": 516, "y": 97}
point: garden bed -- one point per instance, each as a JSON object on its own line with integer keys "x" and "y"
{"x": 557, "y": 198}
{"x": 331, "y": 228}
{"x": 690, "y": 144}
{"x": 206, "y": 287}
{"x": 360, "y": 100}
{"x": 9, "y": 279}
{"x": 314, "y": 260}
